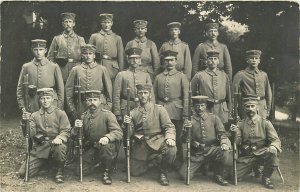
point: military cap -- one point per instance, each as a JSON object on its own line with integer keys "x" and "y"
{"x": 134, "y": 52}
{"x": 45, "y": 92}
{"x": 250, "y": 99}
{"x": 92, "y": 94}
{"x": 88, "y": 47}
{"x": 145, "y": 86}
{"x": 38, "y": 43}
{"x": 106, "y": 17}
{"x": 212, "y": 54}
{"x": 209, "y": 26}
{"x": 174, "y": 25}
{"x": 199, "y": 99}
{"x": 168, "y": 54}
{"x": 253, "y": 53}
{"x": 140, "y": 23}
{"x": 65, "y": 16}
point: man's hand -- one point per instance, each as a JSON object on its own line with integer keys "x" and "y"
{"x": 57, "y": 141}
{"x": 26, "y": 115}
{"x": 78, "y": 123}
{"x": 224, "y": 147}
{"x": 103, "y": 141}
{"x": 234, "y": 128}
{"x": 127, "y": 119}
{"x": 187, "y": 124}
{"x": 171, "y": 142}
{"x": 272, "y": 149}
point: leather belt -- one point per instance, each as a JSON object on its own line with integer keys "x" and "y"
{"x": 107, "y": 57}
{"x": 261, "y": 98}
{"x": 70, "y": 60}
{"x": 217, "y": 101}
{"x": 168, "y": 99}
{"x": 136, "y": 99}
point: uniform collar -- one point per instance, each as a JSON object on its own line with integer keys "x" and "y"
{"x": 175, "y": 42}
{"x": 203, "y": 117}
{"x": 210, "y": 72}
{"x": 105, "y": 33}
{"x": 172, "y": 72}
{"x": 253, "y": 121}
{"x": 91, "y": 66}
{"x": 44, "y": 61}
{"x": 134, "y": 70}
{"x": 146, "y": 108}
{"x": 72, "y": 34}
{"x": 252, "y": 71}
{"x": 49, "y": 110}
{"x": 212, "y": 44}
{"x": 142, "y": 40}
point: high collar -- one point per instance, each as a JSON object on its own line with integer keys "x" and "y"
{"x": 252, "y": 121}
{"x": 105, "y": 33}
{"x": 72, "y": 34}
{"x": 203, "y": 116}
{"x": 91, "y": 66}
{"x": 252, "y": 71}
{"x": 210, "y": 72}
{"x": 172, "y": 72}
{"x": 49, "y": 110}
{"x": 146, "y": 108}
{"x": 133, "y": 69}
{"x": 44, "y": 61}
{"x": 175, "y": 42}
{"x": 216, "y": 43}
{"x": 142, "y": 40}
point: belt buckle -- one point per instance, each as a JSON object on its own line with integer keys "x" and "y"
{"x": 105, "y": 56}
{"x": 217, "y": 101}
{"x": 70, "y": 60}
{"x": 166, "y": 99}
{"x": 136, "y": 99}
{"x": 259, "y": 98}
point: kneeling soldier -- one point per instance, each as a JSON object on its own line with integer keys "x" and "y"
{"x": 100, "y": 132}
{"x": 49, "y": 129}
{"x": 208, "y": 141}
{"x": 258, "y": 143}
{"x": 154, "y": 135}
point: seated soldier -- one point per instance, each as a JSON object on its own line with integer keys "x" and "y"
{"x": 49, "y": 130}
{"x": 100, "y": 132}
{"x": 208, "y": 141}
{"x": 154, "y": 135}
{"x": 258, "y": 142}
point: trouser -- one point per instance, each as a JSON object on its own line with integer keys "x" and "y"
{"x": 166, "y": 153}
{"x": 178, "y": 126}
{"x": 220, "y": 158}
{"x": 92, "y": 156}
{"x": 57, "y": 153}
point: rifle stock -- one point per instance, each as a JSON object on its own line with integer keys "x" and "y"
{"x": 188, "y": 141}
{"x": 27, "y": 134}
{"x": 235, "y": 119}
{"x": 78, "y": 88}
{"x": 128, "y": 135}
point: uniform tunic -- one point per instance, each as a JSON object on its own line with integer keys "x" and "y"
{"x": 184, "y": 61}
{"x": 254, "y": 82}
{"x": 200, "y": 56}
{"x": 109, "y": 44}
{"x": 92, "y": 77}
{"x": 66, "y": 46}
{"x": 216, "y": 86}
{"x": 44, "y": 74}
{"x": 149, "y": 56}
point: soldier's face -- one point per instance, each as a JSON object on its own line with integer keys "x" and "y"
{"x": 134, "y": 61}
{"x": 106, "y": 25}
{"x": 212, "y": 62}
{"x": 144, "y": 96}
{"x": 174, "y": 33}
{"x": 39, "y": 53}
{"x": 46, "y": 101}
{"x": 140, "y": 31}
{"x": 170, "y": 63}
{"x": 212, "y": 34}
{"x": 88, "y": 57}
{"x": 200, "y": 108}
{"x": 253, "y": 61}
{"x": 93, "y": 103}
{"x": 251, "y": 110}
{"x": 68, "y": 24}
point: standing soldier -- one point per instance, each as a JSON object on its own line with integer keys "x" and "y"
{"x": 153, "y": 135}
{"x": 254, "y": 82}
{"x": 171, "y": 89}
{"x": 49, "y": 130}
{"x": 100, "y": 133}
{"x": 150, "y": 59}
{"x": 214, "y": 83}
{"x": 208, "y": 141}
{"x": 109, "y": 45}
{"x": 92, "y": 77}
{"x": 258, "y": 141}
{"x": 65, "y": 48}
{"x": 200, "y": 55}
{"x": 129, "y": 79}
{"x": 184, "y": 62}
{"x": 42, "y": 73}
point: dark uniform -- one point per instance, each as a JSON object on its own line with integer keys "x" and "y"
{"x": 184, "y": 61}
{"x": 65, "y": 49}
{"x": 150, "y": 57}
{"x": 41, "y": 74}
{"x": 110, "y": 47}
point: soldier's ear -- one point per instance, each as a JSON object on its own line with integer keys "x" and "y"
{"x": 46, "y": 50}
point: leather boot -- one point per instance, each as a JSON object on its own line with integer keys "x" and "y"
{"x": 106, "y": 179}
{"x": 59, "y": 177}
{"x": 163, "y": 179}
{"x": 219, "y": 176}
{"x": 266, "y": 181}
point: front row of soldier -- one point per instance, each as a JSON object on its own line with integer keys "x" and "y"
{"x": 153, "y": 138}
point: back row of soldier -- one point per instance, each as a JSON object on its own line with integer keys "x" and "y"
{"x": 156, "y": 128}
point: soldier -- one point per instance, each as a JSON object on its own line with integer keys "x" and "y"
{"x": 65, "y": 48}
{"x": 42, "y": 73}
{"x": 101, "y": 131}
{"x": 184, "y": 62}
{"x": 258, "y": 142}
{"x": 212, "y": 33}
{"x": 255, "y": 82}
{"x": 171, "y": 90}
{"x": 214, "y": 83}
{"x": 208, "y": 141}
{"x": 92, "y": 77}
{"x": 109, "y": 45}
{"x": 150, "y": 59}
{"x": 49, "y": 130}
{"x": 132, "y": 76}
{"x": 153, "y": 135}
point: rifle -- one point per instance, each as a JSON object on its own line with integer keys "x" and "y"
{"x": 272, "y": 111}
{"x": 235, "y": 119}
{"x": 27, "y": 132}
{"x": 128, "y": 135}
{"x": 188, "y": 141}
{"x": 78, "y": 88}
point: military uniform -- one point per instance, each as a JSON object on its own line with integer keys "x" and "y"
{"x": 41, "y": 74}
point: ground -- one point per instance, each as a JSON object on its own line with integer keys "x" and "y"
{"x": 12, "y": 153}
